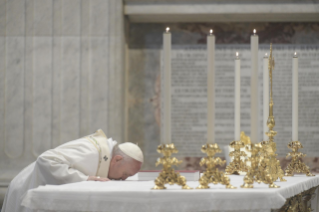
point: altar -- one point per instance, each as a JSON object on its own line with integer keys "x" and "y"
{"x": 138, "y": 196}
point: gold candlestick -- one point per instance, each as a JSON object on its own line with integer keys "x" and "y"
{"x": 237, "y": 164}
{"x": 168, "y": 174}
{"x": 259, "y": 169}
{"x": 273, "y": 166}
{"x": 212, "y": 174}
{"x": 296, "y": 165}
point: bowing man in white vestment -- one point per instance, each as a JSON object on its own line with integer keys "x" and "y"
{"x": 93, "y": 158}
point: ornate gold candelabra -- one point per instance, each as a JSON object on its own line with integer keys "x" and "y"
{"x": 296, "y": 165}
{"x": 168, "y": 174}
{"x": 273, "y": 167}
{"x": 258, "y": 171}
{"x": 237, "y": 164}
{"x": 212, "y": 174}
{"x": 264, "y": 165}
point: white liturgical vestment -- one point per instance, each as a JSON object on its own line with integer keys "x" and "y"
{"x": 71, "y": 162}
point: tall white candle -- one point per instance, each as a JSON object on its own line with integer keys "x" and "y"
{"x": 237, "y": 98}
{"x": 254, "y": 88}
{"x": 166, "y": 124}
{"x": 266, "y": 96}
{"x": 210, "y": 88}
{"x": 295, "y": 97}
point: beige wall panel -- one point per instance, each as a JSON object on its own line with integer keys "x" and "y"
{"x": 98, "y": 84}
{"x": 99, "y": 20}
{"x": 3, "y": 18}
{"x": 56, "y": 72}
{"x": 85, "y": 18}
{"x": 14, "y": 96}
{"x": 2, "y": 94}
{"x": 57, "y": 61}
{"x": 29, "y": 16}
{"x": 70, "y": 89}
{"x": 57, "y": 17}
{"x": 42, "y": 94}
{"x": 15, "y": 18}
{"x": 43, "y": 15}
{"x": 116, "y": 72}
{"x": 84, "y": 87}
{"x": 71, "y": 18}
{"x": 28, "y": 96}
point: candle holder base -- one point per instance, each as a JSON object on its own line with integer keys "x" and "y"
{"x": 261, "y": 169}
{"x": 237, "y": 164}
{"x": 296, "y": 165}
{"x": 269, "y": 154}
{"x": 212, "y": 174}
{"x": 168, "y": 174}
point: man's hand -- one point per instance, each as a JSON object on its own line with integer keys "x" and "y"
{"x": 97, "y": 178}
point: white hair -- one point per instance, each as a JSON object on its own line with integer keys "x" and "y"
{"x": 117, "y": 151}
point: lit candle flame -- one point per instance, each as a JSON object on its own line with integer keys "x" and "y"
{"x": 254, "y": 31}
{"x": 295, "y": 53}
{"x": 167, "y": 29}
{"x": 211, "y": 31}
{"x": 236, "y": 54}
{"x": 266, "y": 54}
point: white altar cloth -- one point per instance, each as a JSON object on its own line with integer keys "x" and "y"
{"x": 138, "y": 196}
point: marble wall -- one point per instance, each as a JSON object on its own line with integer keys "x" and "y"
{"x": 61, "y": 75}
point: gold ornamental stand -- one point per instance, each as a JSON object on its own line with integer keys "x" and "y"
{"x": 260, "y": 170}
{"x": 264, "y": 165}
{"x": 212, "y": 174}
{"x": 273, "y": 167}
{"x": 296, "y": 165}
{"x": 168, "y": 174}
{"x": 237, "y": 164}
{"x": 257, "y": 172}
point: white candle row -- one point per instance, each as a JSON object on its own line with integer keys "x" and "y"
{"x": 266, "y": 97}
{"x": 166, "y": 125}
